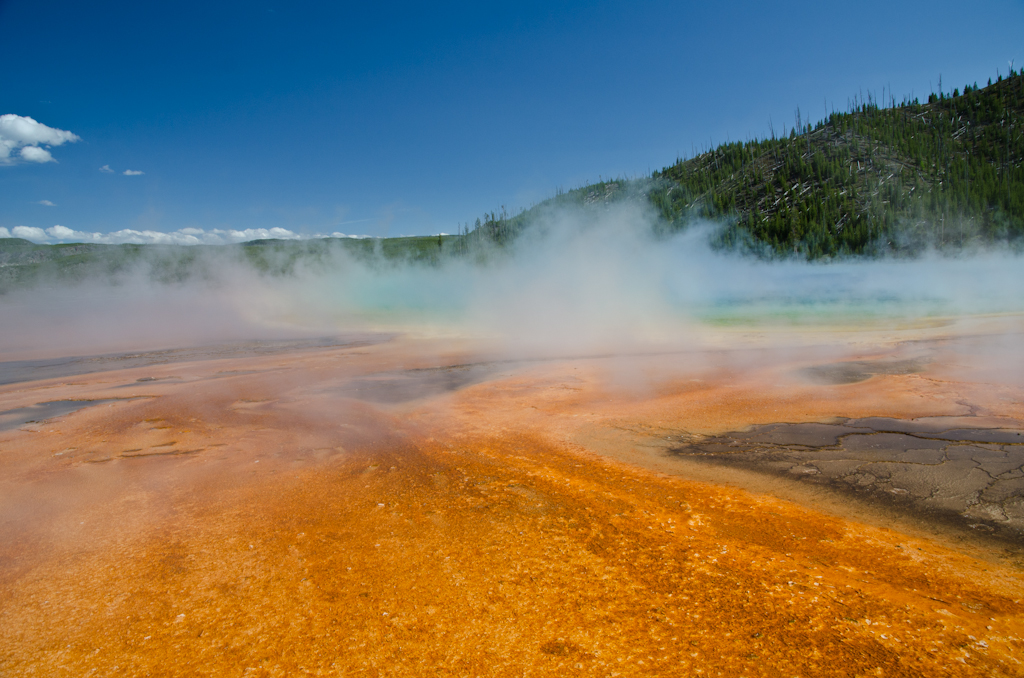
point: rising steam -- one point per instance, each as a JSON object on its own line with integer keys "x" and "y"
{"x": 579, "y": 281}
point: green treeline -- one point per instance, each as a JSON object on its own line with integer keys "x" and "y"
{"x": 868, "y": 180}
{"x": 24, "y": 264}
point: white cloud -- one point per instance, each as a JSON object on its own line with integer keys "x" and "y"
{"x": 46, "y": 203}
{"x": 133, "y": 173}
{"x": 106, "y": 168}
{"x": 258, "y": 234}
{"x": 4, "y": 233}
{"x": 61, "y": 232}
{"x": 184, "y": 236}
{"x": 21, "y": 138}
{"x": 30, "y": 233}
{"x": 36, "y": 154}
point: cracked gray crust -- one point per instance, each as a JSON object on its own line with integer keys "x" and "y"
{"x": 942, "y": 469}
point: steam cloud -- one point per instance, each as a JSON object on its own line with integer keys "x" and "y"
{"x": 579, "y": 282}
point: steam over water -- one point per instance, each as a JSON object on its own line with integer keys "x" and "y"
{"x": 580, "y": 281}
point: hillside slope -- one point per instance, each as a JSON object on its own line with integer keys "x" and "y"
{"x": 943, "y": 172}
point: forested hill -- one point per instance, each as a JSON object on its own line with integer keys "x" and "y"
{"x": 875, "y": 178}
{"x": 946, "y": 174}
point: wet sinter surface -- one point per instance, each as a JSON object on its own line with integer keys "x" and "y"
{"x": 266, "y": 515}
{"x": 15, "y": 371}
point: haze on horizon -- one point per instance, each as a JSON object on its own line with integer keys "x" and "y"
{"x": 580, "y": 281}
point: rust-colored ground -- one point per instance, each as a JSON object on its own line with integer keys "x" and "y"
{"x": 252, "y": 517}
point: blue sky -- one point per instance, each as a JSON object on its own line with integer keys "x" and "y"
{"x": 388, "y": 119}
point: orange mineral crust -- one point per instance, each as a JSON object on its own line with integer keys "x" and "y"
{"x": 395, "y": 510}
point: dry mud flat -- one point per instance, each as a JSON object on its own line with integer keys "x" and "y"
{"x": 405, "y": 508}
